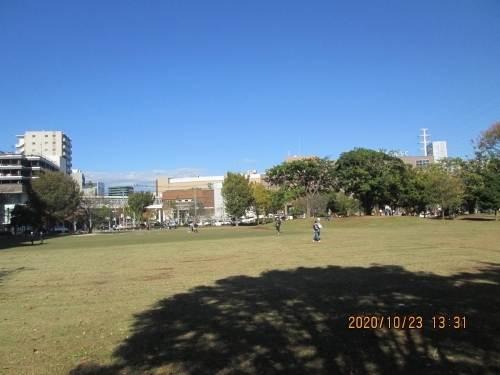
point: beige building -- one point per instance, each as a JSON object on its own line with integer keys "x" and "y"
{"x": 53, "y": 145}
{"x": 418, "y": 161}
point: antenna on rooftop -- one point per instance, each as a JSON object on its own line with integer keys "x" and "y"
{"x": 425, "y": 142}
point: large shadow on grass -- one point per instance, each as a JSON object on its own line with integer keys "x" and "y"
{"x": 296, "y": 322}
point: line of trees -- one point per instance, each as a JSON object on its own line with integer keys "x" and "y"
{"x": 360, "y": 180}
{"x": 55, "y": 198}
{"x": 366, "y": 180}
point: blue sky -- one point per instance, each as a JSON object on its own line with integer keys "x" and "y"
{"x": 149, "y": 89}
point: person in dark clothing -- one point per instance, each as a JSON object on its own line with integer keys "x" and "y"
{"x": 277, "y": 224}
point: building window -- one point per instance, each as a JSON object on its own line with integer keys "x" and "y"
{"x": 420, "y": 163}
{"x": 46, "y": 136}
{"x": 33, "y": 143}
{"x": 33, "y": 136}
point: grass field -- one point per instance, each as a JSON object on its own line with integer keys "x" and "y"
{"x": 246, "y": 300}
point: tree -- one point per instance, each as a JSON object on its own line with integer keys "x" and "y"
{"x": 444, "y": 186}
{"x": 22, "y": 215}
{"x": 278, "y": 198}
{"x": 372, "y": 177}
{"x": 470, "y": 173}
{"x": 88, "y": 212}
{"x": 414, "y": 196}
{"x": 342, "y": 204}
{"x": 303, "y": 178}
{"x": 489, "y": 195}
{"x": 54, "y": 196}
{"x": 261, "y": 198}
{"x": 237, "y": 194}
{"x": 489, "y": 140}
{"x": 139, "y": 201}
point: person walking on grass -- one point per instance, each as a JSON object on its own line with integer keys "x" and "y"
{"x": 277, "y": 224}
{"x": 32, "y": 237}
{"x": 41, "y": 237}
{"x": 319, "y": 227}
{"x": 316, "y": 230}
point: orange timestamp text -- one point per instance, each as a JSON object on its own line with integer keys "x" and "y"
{"x": 405, "y": 322}
{"x": 386, "y": 321}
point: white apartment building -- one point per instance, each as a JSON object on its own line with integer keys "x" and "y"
{"x": 53, "y": 145}
{"x": 437, "y": 149}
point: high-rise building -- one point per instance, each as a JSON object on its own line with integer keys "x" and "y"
{"x": 53, "y": 145}
{"x": 437, "y": 149}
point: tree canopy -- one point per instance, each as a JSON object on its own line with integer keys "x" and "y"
{"x": 138, "y": 201}
{"x": 303, "y": 178}
{"x": 261, "y": 198}
{"x": 489, "y": 195}
{"x": 372, "y": 177}
{"x": 54, "y": 195}
{"x": 237, "y": 194}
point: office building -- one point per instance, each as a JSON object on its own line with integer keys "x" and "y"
{"x": 437, "y": 149}
{"x": 120, "y": 191}
{"x": 95, "y": 189}
{"x": 16, "y": 170}
{"x": 53, "y": 145}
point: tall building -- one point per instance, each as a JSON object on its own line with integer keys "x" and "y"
{"x": 437, "y": 149}
{"x": 53, "y": 145}
{"x": 16, "y": 170}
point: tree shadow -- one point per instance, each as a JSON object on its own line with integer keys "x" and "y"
{"x": 20, "y": 241}
{"x": 478, "y": 218}
{"x": 296, "y": 322}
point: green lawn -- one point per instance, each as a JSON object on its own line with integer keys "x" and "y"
{"x": 246, "y": 300}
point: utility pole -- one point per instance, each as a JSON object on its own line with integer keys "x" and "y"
{"x": 425, "y": 135}
{"x": 194, "y": 189}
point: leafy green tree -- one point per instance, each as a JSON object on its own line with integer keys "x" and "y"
{"x": 372, "y": 177}
{"x": 341, "y": 204}
{"x": 470, "y": 173}
{"x": 54, "y": 196}
{"x": 237, "y": 194}
{"x": 278, "y": 198}
{"x": 489, "y": 195}
{"x": 261, "y": 198}
{"x": 444, "y": 186}
{"x": 303, "y": 178}
{"x": 296, "y": 211}
{"x": 414, "y": 196}
{"x": 22, "y": 215}
{"x": 139, "y": 201}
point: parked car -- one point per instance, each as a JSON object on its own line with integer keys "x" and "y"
{"x": 57, "y": 230}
